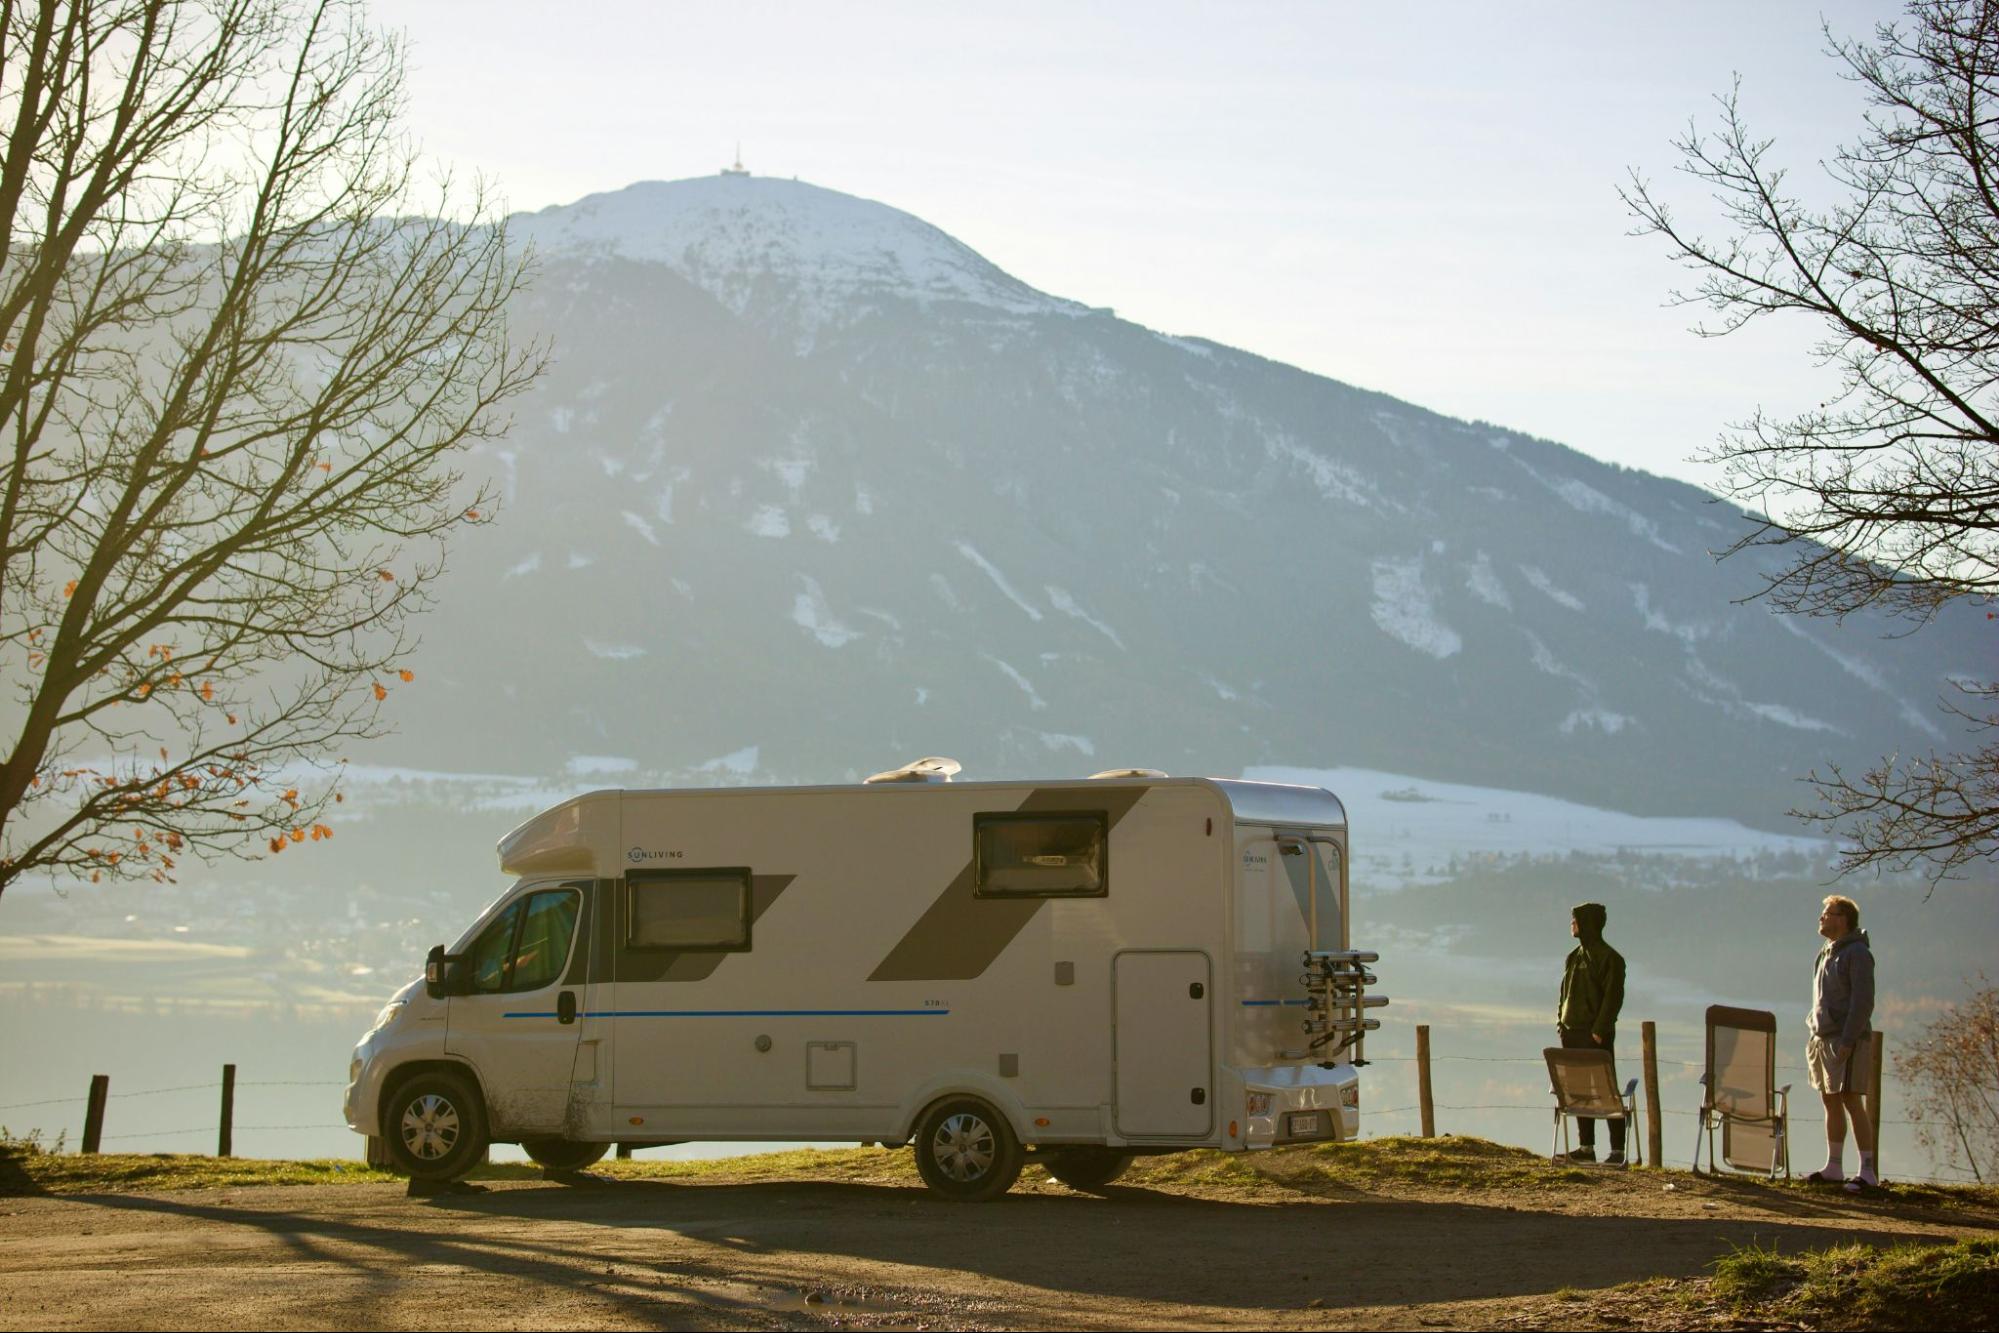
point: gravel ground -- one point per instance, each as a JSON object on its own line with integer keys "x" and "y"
{"x": 725, "y": 1252}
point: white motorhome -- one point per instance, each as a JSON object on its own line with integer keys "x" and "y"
{"x": 1076, "y": 971}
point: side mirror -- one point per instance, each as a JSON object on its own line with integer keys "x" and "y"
{"x": 434, "y": 972}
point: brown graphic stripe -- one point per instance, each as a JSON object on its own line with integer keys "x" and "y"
{"x": 961, "y": 934}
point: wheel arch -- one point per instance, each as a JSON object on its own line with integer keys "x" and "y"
{"x": 963, "y": 1083}
{"x": 392, "y": 1085}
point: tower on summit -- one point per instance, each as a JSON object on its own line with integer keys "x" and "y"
{"x": 738, "y": 169}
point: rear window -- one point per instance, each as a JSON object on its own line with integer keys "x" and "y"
{"x": 688, "y": 909}
{"x": 1042, "y": 856}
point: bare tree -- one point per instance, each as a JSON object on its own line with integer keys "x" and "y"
{"x": 1953, "y": 1077}
{"x": 243, "y": 348}
{"x": 1887, "y": 495}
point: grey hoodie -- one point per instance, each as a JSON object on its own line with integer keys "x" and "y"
{"x": 1843, "y": 990}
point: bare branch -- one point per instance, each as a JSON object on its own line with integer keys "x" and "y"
{"x": 244, "y": 349}
{"x": 1885, "y": 496}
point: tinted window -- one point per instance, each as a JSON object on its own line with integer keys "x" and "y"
{"x": 1041, "y": 856}
{"x": 488, "y": 955}
{"x": 688, "y": 909}
{"x": 546, "y": 929}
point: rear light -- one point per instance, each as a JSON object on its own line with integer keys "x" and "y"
{"x": 1350, "y": 1095}
{"x": 1258, "y": 1103}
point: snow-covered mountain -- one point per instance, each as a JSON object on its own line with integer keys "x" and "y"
{"x": 813, "y": 488}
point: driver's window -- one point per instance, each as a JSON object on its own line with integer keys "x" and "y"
{"x": 545, "y": 934}
{"x": 526, "y": 946}
{"x": 488, "y": 956}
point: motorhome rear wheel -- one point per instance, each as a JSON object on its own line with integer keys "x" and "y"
{"x": 564, "y": 1154}
{"x": 1085, "y": 1168}
{"x": 436, "y": 1126}
{"x": 965, "y": 1151}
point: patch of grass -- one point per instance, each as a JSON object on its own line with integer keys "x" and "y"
{"x": 867, "y": 1166}
{"x": 1200, "y": 1167}
{"x": 40, "y": 1172}
{"x": 75, "y": 1173}
{"x": 1749, "y": 1274}
{"x": 1455, "y": 1162}
{"x": 1913, "y": 1286}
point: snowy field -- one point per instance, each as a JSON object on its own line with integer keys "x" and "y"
{"x": 1407, "y": 828}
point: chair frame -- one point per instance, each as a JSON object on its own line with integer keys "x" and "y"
{"x": 1779, "y": 1119}
{"x": 1628, "y": 1099}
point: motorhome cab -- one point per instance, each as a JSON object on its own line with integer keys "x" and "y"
{"x": 1077, "y": 971}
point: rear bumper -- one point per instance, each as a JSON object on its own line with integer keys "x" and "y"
{"x": 1285, "y": 1104}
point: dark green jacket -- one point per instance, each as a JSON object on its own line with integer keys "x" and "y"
{"x": 1592, "y": 989}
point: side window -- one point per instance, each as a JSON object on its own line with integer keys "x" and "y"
{"x": 488, "y": 955}
{"x": 1326, "y": 896}
{"x": 526, "y": 946}
{"x": 1041, "y": 856}
{"x": 688, "y": 909}
{"x": 546, "y": 930}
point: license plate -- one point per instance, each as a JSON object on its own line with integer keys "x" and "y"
{"x": 1301, "y": 1123}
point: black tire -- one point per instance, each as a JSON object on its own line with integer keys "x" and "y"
{"x": 1086, "y": 1168}
{"x": 966, "y": 1151}
{"x": 434, "y": 1126}
{"x": 564, "y": 1154}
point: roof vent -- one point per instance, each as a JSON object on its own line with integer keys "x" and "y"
{"x": 934, "y": 768}
{"x": 1128, "y": 773}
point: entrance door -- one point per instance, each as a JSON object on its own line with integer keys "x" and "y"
{"x": 1163, "y": 1047}
{"x": 511, "y": 1025}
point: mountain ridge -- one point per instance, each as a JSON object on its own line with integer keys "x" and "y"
{"x": 836, "y": 515}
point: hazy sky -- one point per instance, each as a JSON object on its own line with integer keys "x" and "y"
{"x": 1416, "y": 199}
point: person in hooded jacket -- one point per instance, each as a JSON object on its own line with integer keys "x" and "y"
{"x": 1840, "y": 1046}
{"x": 1586, "y": 1014}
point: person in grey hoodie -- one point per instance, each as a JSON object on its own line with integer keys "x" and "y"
{"x": 1586, "y": 1013}
{"x": 1840, "y": 1047}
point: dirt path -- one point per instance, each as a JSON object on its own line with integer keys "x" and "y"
{"x": 735, "y": 1254}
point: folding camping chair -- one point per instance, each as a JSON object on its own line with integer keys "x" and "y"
{"x": 1740, "y": 1091}
{"x": 1584, "y": 1082}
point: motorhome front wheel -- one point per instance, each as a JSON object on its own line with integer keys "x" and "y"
{"x": 436, "y": 1126}
{"x": 966, "y": 1151}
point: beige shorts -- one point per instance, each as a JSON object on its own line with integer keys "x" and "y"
{"x": 1831, "y": 1072}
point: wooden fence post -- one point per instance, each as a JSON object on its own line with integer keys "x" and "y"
{"x": 1873, "y": 1090}
{"x": 223, "y": 1142}
{"x": 1655, "y": 1146}
{"x": 93, "y": 1115}
{"x": 1423, "y": 1080}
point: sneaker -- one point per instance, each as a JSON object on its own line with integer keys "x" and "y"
{"x": 1616, "y": 1158}
{"x": 1583, "y": 1155}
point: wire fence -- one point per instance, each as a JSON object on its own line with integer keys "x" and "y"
{"x": 180, "y": 1088}
{"x": 1804, "y": 1117}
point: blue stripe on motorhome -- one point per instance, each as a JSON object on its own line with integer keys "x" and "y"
{"x": 745, "y": 1013}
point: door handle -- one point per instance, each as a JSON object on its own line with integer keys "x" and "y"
{"x": 565, "y": 1007}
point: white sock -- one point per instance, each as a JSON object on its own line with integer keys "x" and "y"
{"x": 1867, "y": 1168}
{"x": 1835, "y": 1161}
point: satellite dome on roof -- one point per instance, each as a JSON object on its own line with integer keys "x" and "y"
{"x": 744, "y": 238}
{"x": 933, "y": 768}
